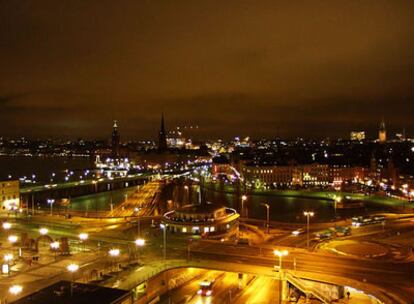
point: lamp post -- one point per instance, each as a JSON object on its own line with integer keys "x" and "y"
{"x": 72, "y": 268}
{"x": 139, "y": 243}
{"x": 43, "y": 231}
{"x": 114, "y": 253}
{"x": 6, "y": 226}
{"x": 280, "y": 254}
{"x": 308, "y": 215}
{"x": 54, "y": 246}
{"x": 267, "y": 215}
{"x": 12, "y": 239}
{"x": 136, "y": 210}
{"x": 187, "y": 198}
{"x": 14, "y": 290}
{"x": 243, "y": 199}
{"x": 83, "y": 237}
{"x": 8, "y": 258}
{"x": 51, "y": 201}
{"x": 164, "y": 228}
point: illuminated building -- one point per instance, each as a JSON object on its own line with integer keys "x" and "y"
{"x": 382, "y": 134}
{"x": 209, "y": 220}
{"x": 10, "y": 194}
{"x": 358, "y": 135}
{"x": 269, "y": 175}
{"x": 341, "y": 173}
{"x": 311, "y": 175}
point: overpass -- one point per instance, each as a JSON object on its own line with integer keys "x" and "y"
{"x": 326, "y": 289}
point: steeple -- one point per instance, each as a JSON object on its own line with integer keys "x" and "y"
{"x": 162, "y": 137}
{"x": 115, "y": 140}
{"x": 382, "y": 134}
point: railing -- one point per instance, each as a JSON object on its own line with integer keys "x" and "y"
{"x": 307, "y": 289}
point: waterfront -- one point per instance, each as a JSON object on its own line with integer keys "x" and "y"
{"x": 42, "y": 167}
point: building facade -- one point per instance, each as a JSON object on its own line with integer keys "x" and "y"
{"x": 302, "y": 175}
{"x": 9, "y": 194}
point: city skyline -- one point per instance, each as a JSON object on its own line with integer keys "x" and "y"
{"x": 233, "y": 69}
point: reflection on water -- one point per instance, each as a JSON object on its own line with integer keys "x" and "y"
{"x": 42, "y": 166}
{"x": 285, "y": 208}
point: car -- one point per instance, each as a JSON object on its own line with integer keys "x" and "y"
{"x": 298, "y": 231}
{"x": 206, "y": 288}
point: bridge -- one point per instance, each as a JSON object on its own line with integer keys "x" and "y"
{"x": 41, "y": 193}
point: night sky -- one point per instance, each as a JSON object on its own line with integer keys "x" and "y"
{"x": 258, "y": 68}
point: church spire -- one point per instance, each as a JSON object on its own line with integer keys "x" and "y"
{"x": 382, "y": 134}
{"x": 162, "y": 137}
{"x": 115, "y": 140}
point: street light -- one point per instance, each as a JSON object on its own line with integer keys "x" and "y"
{"x": 43, "y": 231}
{"x": 114, "y": 253}
{"x": 72, "y": 268}
{"x": 7, "y": 259}
{"x": 308, "y": 215}
{"x": 136, "y": 210}
{"x": 12, "y": 239}
{"x": 243, "y": 199}
{"x": 83, "y": 237}
{"x": 267, "y": 215}
{"x": 280, "y": 254}
{"x": 54, "y": 246}
{"x": 6, "y": 225}
{"x": 51, "y": 201}
{"x": 15, "y": 289}
{"x": 164, "y": 228}
{"x": 140, "y": 242}
{"x": 187, "y": 195}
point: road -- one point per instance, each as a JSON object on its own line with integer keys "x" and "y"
{"x": 395, "y": 278}
{"x": 253, "y": 290}
{"x": 141, "y": 202}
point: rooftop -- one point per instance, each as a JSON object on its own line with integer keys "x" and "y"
{"x": 199, "y": 208}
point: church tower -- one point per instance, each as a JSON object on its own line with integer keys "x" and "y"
{"x": 382, "y": 134}
{"x": 162, "y": 136}
{"x": 115, "y": 140}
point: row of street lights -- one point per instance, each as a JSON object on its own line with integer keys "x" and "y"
{"x": 308, "y": 215}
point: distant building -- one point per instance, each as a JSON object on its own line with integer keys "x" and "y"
{"x": 358, "y": 135}
{"x": 9, "y": 194}
{"x": 311, "y": 175}
{"x": 281, "y": 176}
{"x": 115, "y": 140}
{"x": 221, "y": 166}
{"x": 382, "y": 134}
{"x": 269, "y": 175}
{"x": 307, "y": 175}
{"x": 162, "y": 137}
{"x": 210, "y": 220}
{"x": 82, "y": 294}
{"x": 342, "y": 173}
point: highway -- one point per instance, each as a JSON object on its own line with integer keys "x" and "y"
{"x": 253, "y": 290}
{"x": 395, "y": 278}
